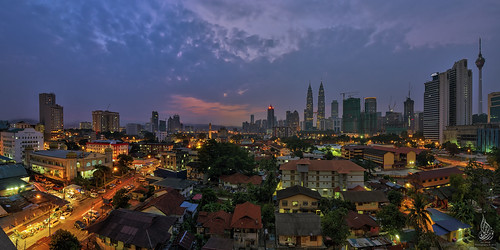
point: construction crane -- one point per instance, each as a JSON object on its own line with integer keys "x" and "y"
{"x": 349, "y": 94}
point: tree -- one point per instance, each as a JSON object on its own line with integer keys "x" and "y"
{"x": 333, "y": 225}
{"x": 64, "y": 240}
{"x": 418, "y": 216}
{"x": 460, "y": 187}
{"x": 123, "y": 163}
{"x": 395, "y": 197}
{"x": 494, "y": 157}
{"x": 391, "y": 219}
{"x": 218, "y": 159}
{"x": 100, "y": 174}
{"x": 328, "y": 204}
{"x": 425, "y": 158}
{"x": 463, "y": 210}
{"x": 451, "y": 147}
{"x": 215, "y": 206}
{"x": 208, "y": 196}
{"x": 268, "y": 215}
{"x": 121, "y": 199}
{"x": 329, "y": 155}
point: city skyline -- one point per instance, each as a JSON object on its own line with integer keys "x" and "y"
{"x": 222, "y": 62}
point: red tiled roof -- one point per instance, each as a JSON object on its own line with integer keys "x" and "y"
{"x": 216, "y": 222}
{"x": 239, "y": 178}
{"x": 357, "y": 188}
{"x": 437, "y": 173}
{"x": 246, "y": 215}
{"x": 357, "y": 221}
{"x": 341, "y": 166}
{"x": 169, "y": 203}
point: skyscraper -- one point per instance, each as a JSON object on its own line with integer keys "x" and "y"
{"x": 270, "y": 117}
{"x": 370, "y": 116}
{"x": 480, "y": 63}
{"x": 309, "y": 111}
{"x": 321, "y": 107}
{"x": 51, "y": 114}
{"x": 174, "y": 124}
{"x": 494, "y": 107}
{"x": 335, "y": 109}
{"x": 409, "y": 114}
{"x": 448, "y": 100}
{"x": 105, "y": 121}
{"x": 293, "y": 120}
{"x": 351, "y": 115}
{"x": 154, "y": 121}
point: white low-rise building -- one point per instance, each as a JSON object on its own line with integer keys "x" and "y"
{"x": 14, "y": 141}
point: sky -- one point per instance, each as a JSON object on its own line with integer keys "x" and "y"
{"x": 221, "y": 61}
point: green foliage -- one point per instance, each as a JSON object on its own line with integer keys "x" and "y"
{"x": 452, "y": 148}
{"x": 100, "y": 174}
{"x": 124, "y": 162}
{"x": 391, "y": 219}
{"x": 64, "y": 240}
{"x": 418, "y": 216}
{"x": 242, "y": 197}
{"x": 268, "y": 218}
{"x": 329, "y": 155}
{"x": 218, "y": 159}
{"x": 494, "y": 157}
{"x": 395, "y": 197}
{"x": 460, "y": 187}
{"x": 463, "y": 211}
{"x": 80, "y": 181}
{"x": 215, "y": 206}
{"x": 328, "y": 204}
{"x": 425, "y": 158}
{"x": 270, "y": 165}
{"x": 480, "y": 183}
{"x": 121, "y": 199}
{"x": 296, "y": 144}
{"x": 334, "y": 226}
{"x": 208, "y": 196}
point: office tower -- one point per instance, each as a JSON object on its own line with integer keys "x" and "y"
{"x": 321, "y": 107}
{"x": 105, "y": 121}
{"x": 480, "y": 63}
{"x": 133, "y": 128}
{"x": 252, "y": 119}
{"x": 154, "y": 121}
{"x": 51, "y": 114}
{"x": 370, "y": 116}
{"x": 409, "y": 114}
{"x": 308, "y": 112}
{"x": 335, "y": 109}
{"x": 85, "y": 125}
{"x": 447, "y": 100}
{"x": 351, "y": 115}
{"x": 293, "y": 120}
{"x": 13, "y": 142}
{"x": 174, "y": 124}
{"x": 162, "y": 127}
{"x": 270, "y": 117}
{"x": 494, "y": 107}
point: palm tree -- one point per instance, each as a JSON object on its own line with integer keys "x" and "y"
{"x": 100, "y": 173}
{"x": 418, "y": 216}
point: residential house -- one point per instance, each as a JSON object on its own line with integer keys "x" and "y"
{"x": 434, "y": 177}
{"x": 322, "y": 175}
{"x": 361, "y": 225}
{"x": 194, "y": 171}
{"x": 214, "y": 224}
{"x": 183, "y": 241}
{"x": 299, "y": 230}
{"x": 126, "y": 229}
{"x": 218, "y": 244}
{"x": 99, "y": 146}
{"x": 168, "y": 204}
{"x": 298, "y": 199}
{"x": 442, "y": 196}
{"x": 246, "y": 224}
{"x": 185, "y": 187}
{"x": 446, "y": 226}
{"x": 239, "y": 181}
{"x": 365, "y": 201}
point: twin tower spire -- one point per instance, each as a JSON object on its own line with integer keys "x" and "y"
{"x": 309, "y": 111}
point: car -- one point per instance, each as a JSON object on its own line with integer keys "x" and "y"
{"x": 54, "y": 223}
{"x": 141, "y": 179}
{"x": 80, "y": 225}
{"x": 57, "y": 188}
{"x": 102, "y": 191}
{"x": 111, "y": 186}
{"x": 93, "y": 195}
{"x": 65, "y": 215}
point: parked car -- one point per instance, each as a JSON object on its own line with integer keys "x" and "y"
{"x": 93, "y": 195}
{"x": 102, "y": 191}
{"x": 80, "y": 225}
{"x": 54, "y": 223}
{"x": 111, "y": 186}
{"x": 65, "y": 215}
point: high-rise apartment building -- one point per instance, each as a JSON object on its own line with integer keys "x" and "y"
{"x": 174, "y": 124}
{"x": 494, "y": 107}
{"x": 85, "y": 125}
{"x": 335, "y": 109}
{"x": 447, "y": 100}
{"x": 370, "y": 116}
{"x": 105, "y": 121}
{"x": 154, "y": 121}
{"x": 51, "y": 114}
{"x": 293, "y": 120}
{"x": 309, "y": 111}
{"x": 351, "y": 115}
{"x": 270, "y": 117}
{"x": 162, "y": 127}
{"x": 321, "y": 107}
{"x": 409, "y": 114}
{"x": 13, "y": 142}
{"x": 133, "y": 128}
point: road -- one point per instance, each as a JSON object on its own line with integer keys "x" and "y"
{"x": 459, "y": 163}
{"x": 79, "y": 209}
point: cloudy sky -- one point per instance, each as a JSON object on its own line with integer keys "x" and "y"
{"x": 220, "y": 61}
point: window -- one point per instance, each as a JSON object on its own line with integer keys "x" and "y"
{"x": 295, "y": 203}
{"x": 314, "y": 203}
{"x": 305, "y": 203}
{"x": 284, "y": 203}
{"x": 313, "y": 238}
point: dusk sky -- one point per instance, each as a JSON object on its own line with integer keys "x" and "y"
{"x": 220, "y": 61}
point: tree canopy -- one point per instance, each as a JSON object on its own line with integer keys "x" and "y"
{"x": 334, "y": 226}
{"x": 218, "y": 159}
{"x": 121, "y": 198}
{"x": 391, "y": 219}
{"x": 64, "y": 240}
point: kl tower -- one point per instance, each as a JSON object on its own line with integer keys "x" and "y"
{"x": 480, "y": 63}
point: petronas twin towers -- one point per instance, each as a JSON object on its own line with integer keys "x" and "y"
{"x": 309, "y": 111}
